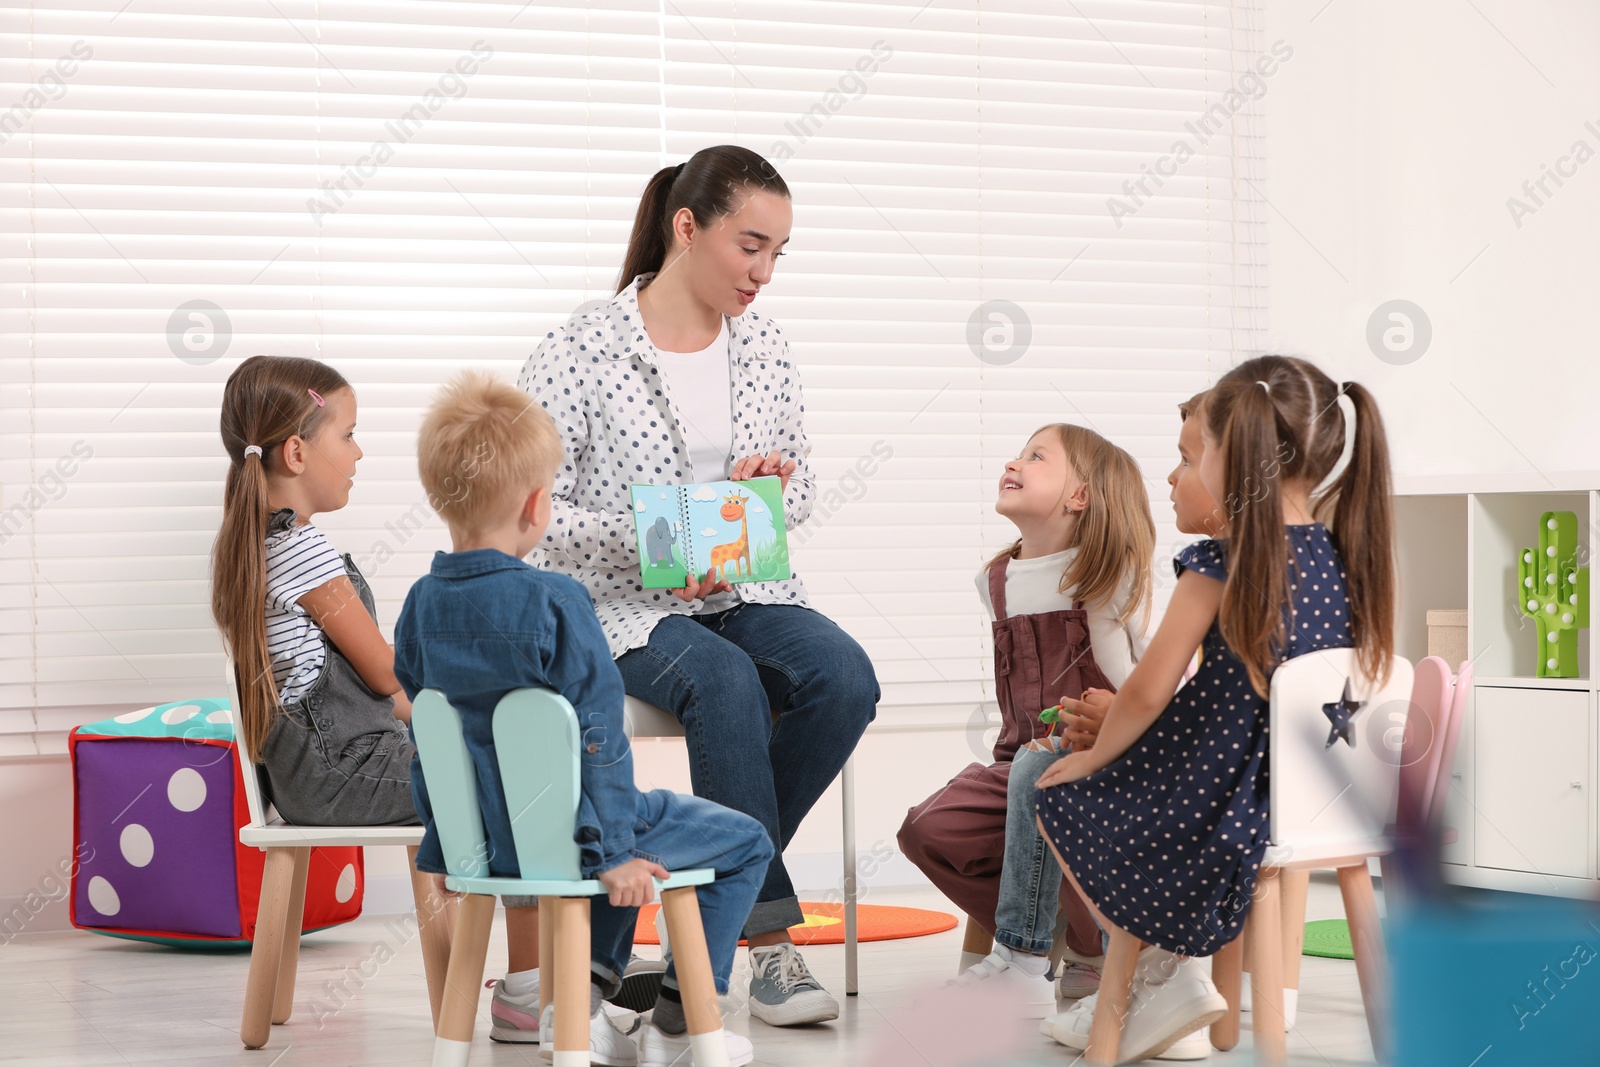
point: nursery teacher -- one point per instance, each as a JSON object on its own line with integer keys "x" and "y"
{"x": 676, "y": 380}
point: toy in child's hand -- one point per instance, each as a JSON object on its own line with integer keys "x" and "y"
{"x": 1051, "y": 715}
{"x": 1554, "y": 591}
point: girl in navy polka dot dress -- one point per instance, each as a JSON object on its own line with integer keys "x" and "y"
{"x": 1163, "y": 823}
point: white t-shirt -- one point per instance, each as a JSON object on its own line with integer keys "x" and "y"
{"x": 1031, "y": 589}
{"x": 298, "y": 560}
{"x": 701, "y": 389}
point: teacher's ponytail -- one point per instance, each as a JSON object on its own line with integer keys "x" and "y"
{"x": 708, "y": 184}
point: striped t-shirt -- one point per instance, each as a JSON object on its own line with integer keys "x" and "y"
{"x": 298, "y": 560}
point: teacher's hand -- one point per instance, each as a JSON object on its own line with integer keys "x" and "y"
{"x": 699, "y": 590}
{"x": 762, "y": 466}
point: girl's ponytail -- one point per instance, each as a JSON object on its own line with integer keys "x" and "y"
{"x": 1363, "y": 531}
{"x": 1251, "y": 617}
{"x": 239, "y": 597}
{"x": 1277, "y": 420}
{"x": 707, "y": 184}
{"x": 267, "y": 400}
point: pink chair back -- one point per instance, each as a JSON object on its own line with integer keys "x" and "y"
{"x": 1420, "y": 752}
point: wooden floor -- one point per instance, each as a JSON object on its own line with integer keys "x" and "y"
{"x": 79, "y": 999}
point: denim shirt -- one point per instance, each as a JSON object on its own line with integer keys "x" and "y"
{"x": 483, "y": 623}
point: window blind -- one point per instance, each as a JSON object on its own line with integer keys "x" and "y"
{"x": 993, "y": 230}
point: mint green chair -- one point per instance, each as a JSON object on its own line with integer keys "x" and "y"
{"x": 536, "y": 739}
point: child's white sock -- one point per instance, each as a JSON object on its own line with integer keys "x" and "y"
{"x": 1022, "y": 961}
{"x": 521, "y": 983}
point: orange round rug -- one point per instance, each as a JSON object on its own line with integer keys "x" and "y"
{"x": 824, "y": 923}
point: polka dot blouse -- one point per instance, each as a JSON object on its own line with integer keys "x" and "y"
{"x": 1167, "y": 841}
{"x": 596, "y": 376}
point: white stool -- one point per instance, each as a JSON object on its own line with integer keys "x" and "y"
{"x": 641, "y": 719}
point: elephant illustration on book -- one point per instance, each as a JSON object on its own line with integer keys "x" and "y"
{"x": 659, "y": 540}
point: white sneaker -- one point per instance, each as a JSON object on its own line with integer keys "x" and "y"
{"x": 658, "y": 1049}
{"x": 1291, "y": 1001}
{"x": 1172, "y": 998}
{"x": 608, "y": 1046}
{"x": 1197, "y": 1046}
{"x": 1034, "y": 994}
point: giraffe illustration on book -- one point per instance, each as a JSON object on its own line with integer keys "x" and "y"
{"x": 733, "y": 551}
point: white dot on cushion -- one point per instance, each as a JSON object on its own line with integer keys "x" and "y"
{"x": 345, "y": 887}
{"x": 181, "y": 713}
{"x": 134, "y": 716}
{"x": 138, "y": 847}
{"x": 186, "y": 789}
{"x": 224, "y": 715}
{"x": 103, "y": 898}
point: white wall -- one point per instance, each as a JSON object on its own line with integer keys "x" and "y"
{"x": 1395, "y": 137}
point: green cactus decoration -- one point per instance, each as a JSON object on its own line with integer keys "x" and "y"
{"x": 1554, "y": 591}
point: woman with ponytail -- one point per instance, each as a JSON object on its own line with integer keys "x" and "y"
{"x": 1165, "y": 819}
{"x": 317, "y": 699}
{"x": 677, "y": 380}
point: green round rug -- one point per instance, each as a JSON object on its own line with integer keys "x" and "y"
{"x": 1330, "y": 938}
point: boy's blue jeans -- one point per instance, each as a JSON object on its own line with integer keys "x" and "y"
{"x": 1030, "y": 877}
{"x": 723, "y": 675}
{"x": 682, "y": 833}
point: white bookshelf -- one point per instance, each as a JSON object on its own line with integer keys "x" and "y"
{"x": 1522, "y": 791}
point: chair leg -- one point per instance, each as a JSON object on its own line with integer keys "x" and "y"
{"x": 571, "y": 918}
{"x": 293, "y": 920}
{"x": 1366, "y": 938}
{"x": 1116, "y": 986}
{"x": 1226, "y": 966}
{"x": 696, "y": 983}
{"x": 1293, "y": 888}
{"x": 433, "y": 932}
{"x": 267, "y": 952}
{"x": 1266, "y": 971}
{"x": 847, "y": 797}
{"x": 459, "y": 1009}
{"x": 975, "y": 939}
{"x": 547, "y": 952}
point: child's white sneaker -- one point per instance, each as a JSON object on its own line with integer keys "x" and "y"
{"x": 1197, "y": 1046}
{"x": 608, "y": 1046}
{"x": 1034, "y": 994}
{"x": 1172, "y": 998}
{"x": 660, "y": 1049}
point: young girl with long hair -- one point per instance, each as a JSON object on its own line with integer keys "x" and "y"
{"x": 1068, "y": 601}
{"x": 1164, "y": 822}
{"x": 317, "y": 702}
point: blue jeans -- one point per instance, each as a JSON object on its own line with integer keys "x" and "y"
{"x": 682, "y": 833}
{"x": 723, "y": 676}
{"x": 1030, "y": 877}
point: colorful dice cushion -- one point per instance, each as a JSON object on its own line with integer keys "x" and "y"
{"x": 157, "y": 807}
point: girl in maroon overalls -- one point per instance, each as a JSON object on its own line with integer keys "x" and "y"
{"x": 1069, "y": 601}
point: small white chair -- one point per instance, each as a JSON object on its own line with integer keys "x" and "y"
{"x": 1330, "y": 807}
{"x": 642, "y": 719}
{"x": 275, "y": 953}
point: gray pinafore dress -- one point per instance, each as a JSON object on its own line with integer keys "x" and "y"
{"x": 337, "y": 756}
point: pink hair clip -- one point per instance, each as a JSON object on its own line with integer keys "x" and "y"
{"x": 315, "y": 396}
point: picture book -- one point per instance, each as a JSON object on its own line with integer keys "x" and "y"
{"x": 734, "y": 529}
